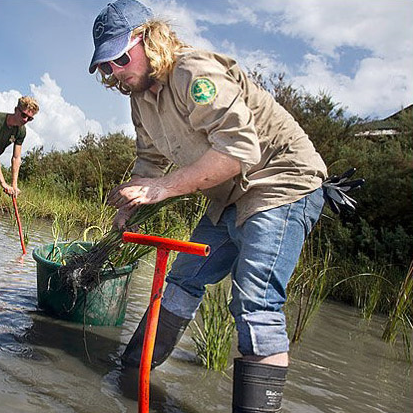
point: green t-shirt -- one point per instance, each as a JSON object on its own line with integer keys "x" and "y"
{"x": 9, "y": 135}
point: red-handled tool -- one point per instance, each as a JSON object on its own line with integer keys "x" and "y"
{"x": 16, "y": 211}
{"x": 163, "y": 247}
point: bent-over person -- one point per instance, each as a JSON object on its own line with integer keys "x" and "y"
{"x": 13, "y": 131}
{"x": 231, "y": 140}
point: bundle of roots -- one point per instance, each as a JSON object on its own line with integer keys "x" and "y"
{"x": 82, "y": 271}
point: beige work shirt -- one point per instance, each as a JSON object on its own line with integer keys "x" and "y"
{"x": 234, "y": 116}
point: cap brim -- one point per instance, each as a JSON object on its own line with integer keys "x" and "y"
{"x": 110, "y": 50}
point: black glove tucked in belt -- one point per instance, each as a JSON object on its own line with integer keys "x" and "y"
{"x": 336, "y": 188}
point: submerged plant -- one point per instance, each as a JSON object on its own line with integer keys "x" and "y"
{"x": 213, "y": 334}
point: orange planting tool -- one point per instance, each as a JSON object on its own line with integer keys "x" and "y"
{"x": 163, "y": 248}
{"x": 16, "y": 211}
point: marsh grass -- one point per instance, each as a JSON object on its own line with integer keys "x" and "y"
{"x": 373, "y": 295}
{"x": 27, "y": 221}
{"x": 26, "y": 217}
{"x": 308, "y": 288}
{"x": 213, "y": 330}
{"x": 47, "y": 204}
{"x": 400, "y": 320}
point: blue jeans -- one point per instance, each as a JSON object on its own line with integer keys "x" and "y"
{"x": 261, "y": 256}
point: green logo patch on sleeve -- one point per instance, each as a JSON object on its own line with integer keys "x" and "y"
{"x": 203, "y": 90}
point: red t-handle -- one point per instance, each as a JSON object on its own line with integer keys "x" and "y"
{"x": 163, "y": 247}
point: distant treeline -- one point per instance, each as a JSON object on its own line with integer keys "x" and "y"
{"x": 93, "y": 162}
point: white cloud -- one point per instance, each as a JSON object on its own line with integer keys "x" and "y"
{"x": 382, "y": 26}
{"x": 58, "y": 124}
{"x": 183, "y": 22}
{"x": 378, "y": 85}
{"x": 267, "y": 62}
{"x": 127, "y": 128}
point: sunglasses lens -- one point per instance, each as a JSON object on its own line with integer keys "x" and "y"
{"x": 122, "y": 61}
{"x": 105, "y": 68}
{"x": 24, "y": 115}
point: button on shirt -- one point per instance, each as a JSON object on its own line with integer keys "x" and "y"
{"x": 180, "y": 123}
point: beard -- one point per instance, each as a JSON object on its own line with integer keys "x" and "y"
{"x": 139, "y": 83}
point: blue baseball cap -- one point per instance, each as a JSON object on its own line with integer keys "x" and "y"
{"x": 113, "y": 28}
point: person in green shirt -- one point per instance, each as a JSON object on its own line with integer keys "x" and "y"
{"x": 13, "y": 131}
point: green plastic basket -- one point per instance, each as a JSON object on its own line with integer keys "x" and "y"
{"x": 103, "y": 306}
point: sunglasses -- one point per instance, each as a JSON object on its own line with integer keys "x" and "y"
{"x": 24, "y": 115}
{"x": 121, "y": 61}
{"x": 106, "y": 67}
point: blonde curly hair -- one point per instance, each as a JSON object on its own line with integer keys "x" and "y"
{"x": 160, "y": 44}
{"x": 28, "y": 103}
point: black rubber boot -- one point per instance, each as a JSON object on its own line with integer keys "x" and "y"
{"x": 169, "y": 332}
{"x": 257, "y": 387}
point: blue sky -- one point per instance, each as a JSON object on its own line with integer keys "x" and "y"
{"x": 358, "y": 51}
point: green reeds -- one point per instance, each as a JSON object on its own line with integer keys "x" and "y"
{"x": 308, "y": 287}
{"x": 373, "y": 295}
{"x": 40, "y": 203}
{"x": 25, "y": 216}
{"x": 213, "y": 334}
{"x": 400, "y": 320}
{"x": 27, "y": 220}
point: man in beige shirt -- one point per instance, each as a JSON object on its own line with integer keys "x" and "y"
{"x": 231, "y": 140}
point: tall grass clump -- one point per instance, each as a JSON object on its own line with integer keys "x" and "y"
{"x": 213, "y": 333}
{"x": 308, "y": 287}
{"x": 400, "y": 320}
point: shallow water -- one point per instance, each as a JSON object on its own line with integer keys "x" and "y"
{"x": 341, "y": 366}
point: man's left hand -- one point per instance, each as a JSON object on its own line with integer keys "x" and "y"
{"x": 138, "y": 191}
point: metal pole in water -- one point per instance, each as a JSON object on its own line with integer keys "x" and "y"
{"x": 163, "y": 248}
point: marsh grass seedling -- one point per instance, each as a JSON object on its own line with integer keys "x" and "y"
{"x": 27, "y": 223}
{"x": 213, "y": 333}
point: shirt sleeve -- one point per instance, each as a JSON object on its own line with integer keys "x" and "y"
{"x": 215, "y": 100}
{"x": 150, "y": 163}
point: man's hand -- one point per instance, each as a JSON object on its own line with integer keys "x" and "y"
{"x": 210, "y": 170}
{"x": 9, "y": 190}
{"x": 138, "y": 191}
